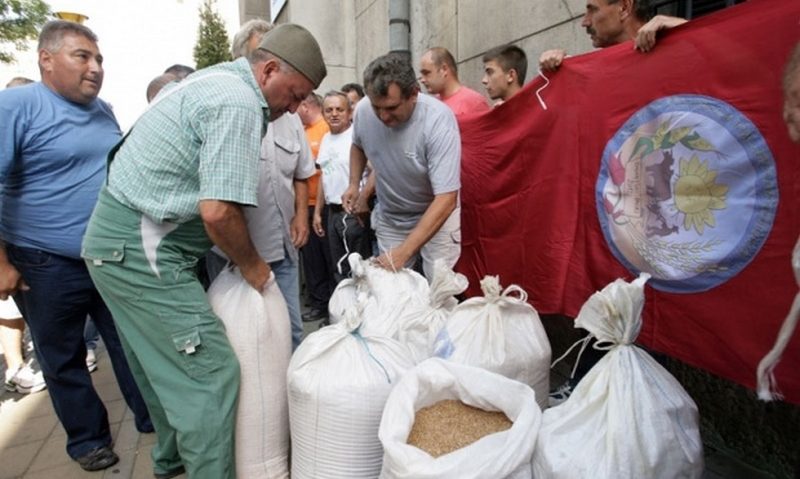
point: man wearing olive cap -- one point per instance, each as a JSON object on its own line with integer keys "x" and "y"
{"x": 176, "y": 185}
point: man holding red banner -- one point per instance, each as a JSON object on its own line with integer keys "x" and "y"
{"x": 611, "y": 22}
{"x": 608, "y": 23}
{"x": 634, "y": 131}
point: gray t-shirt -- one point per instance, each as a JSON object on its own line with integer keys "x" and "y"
{"x": 414, "y": 161}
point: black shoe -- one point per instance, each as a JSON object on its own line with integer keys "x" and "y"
{"x": 170, "y": 474}
{"x": 314, "y": 315}
{"x": 97, "y": 459}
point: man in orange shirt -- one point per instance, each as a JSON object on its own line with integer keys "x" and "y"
{"x": 315, "y": 255}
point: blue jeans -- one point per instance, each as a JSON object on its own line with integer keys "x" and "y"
{"x": 61, "y": 295}
{"x": 91, "y": 334}
{"x": 286, "y": 275}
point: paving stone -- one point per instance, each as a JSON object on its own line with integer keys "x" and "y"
{"x": 52, "y": 453}
{"x": 64, "y": 471}
{"x": 19, "y": 429}
{"x": 16, "y": 460}
{"x": 116, "y": 411}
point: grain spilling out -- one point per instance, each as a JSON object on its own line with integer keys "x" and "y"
{"x": 450, "y": 425}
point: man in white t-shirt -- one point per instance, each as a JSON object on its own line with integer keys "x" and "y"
{"x": 413, "y": 142}
{"x": 346, "y": 234}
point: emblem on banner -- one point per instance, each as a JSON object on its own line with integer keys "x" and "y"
{"x": 687, "y": 192}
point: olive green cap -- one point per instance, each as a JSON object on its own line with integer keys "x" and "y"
{"x": 296, "y": 46}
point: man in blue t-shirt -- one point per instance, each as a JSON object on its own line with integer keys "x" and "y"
{"x": 54, "y": 138}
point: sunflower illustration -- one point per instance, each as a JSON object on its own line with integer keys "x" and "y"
{"x": 696, "y": 194}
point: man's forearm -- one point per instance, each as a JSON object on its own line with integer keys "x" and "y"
{"x": 227, "y": 228}
{"x": 358, "y": 161}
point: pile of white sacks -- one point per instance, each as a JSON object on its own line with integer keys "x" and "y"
{"x": 350, "y": 392}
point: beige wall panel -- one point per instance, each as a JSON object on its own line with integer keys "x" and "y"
{"x": 481, "y": 28}
{"x": 337, "y": 76}
{"x": 250, "y": 9}
{"x": 328, "y": 21}
{"x": 433, "y": 24}
{"x": 372, "y": 32}
{"x": 362, "y": 5}
{"x": 332, "y": 24}
{"x": 568, "y": 36}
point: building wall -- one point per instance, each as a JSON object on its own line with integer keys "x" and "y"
{"x": 468, "y": 29}
{"x": 354, "y": 32}
{"x": 251, "y": 9}
{"x": 331, "y": 22}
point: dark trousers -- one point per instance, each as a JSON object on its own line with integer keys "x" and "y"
{"x": 61, "y": 295}
{"x": 345, "y": 236}
{"x": 316, "y": 258}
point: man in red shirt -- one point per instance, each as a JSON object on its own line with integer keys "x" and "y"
{"x": 439, "y": 75}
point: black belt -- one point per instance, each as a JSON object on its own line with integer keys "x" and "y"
{"x": 333, "y": 207}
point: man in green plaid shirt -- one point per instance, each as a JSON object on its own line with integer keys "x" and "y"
{"x": 176, "y": 184}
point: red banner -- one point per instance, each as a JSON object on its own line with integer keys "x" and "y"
{"x": 675, "y": 162}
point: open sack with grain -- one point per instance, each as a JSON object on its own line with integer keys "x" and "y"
{"x": 473, "y": 423}
{"x": 502, "y": 333}
{"x": 257, "y": 326}
{"x": 338, "y": 382}
{"x": 628, "y": 418}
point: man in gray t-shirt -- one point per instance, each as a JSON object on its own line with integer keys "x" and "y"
{"x": 413, "y": 143}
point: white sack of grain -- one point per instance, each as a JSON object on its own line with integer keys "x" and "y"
{"x": 419, "y": 327}
{"x": 338, "y": 383}
{"x": 386, "y": 297}
{"x": 502, "y": 333}
{"x": 628, "y": 418}
{"x": 258, "y": 328}
{"x": 504, "y": 454}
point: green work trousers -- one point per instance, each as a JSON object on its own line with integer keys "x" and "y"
{"x": 176, "y": 346}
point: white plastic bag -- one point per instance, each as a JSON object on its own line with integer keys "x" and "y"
{"x": 628, "y": 417}
{"x": 505, "y": 454}
{"x": 338, "y": 384}
{"x": 501, "y": 333}
{"x": 258, "y": 328}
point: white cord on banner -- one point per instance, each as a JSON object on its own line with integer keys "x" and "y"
{"x": 767, "y": 384}
{"x": 546, "y": 84}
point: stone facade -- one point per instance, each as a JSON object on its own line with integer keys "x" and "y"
{"x": 353, "y": 32}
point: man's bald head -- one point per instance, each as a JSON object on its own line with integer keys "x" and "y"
{"x": 158, "y": 83}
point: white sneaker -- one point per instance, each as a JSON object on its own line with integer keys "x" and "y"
{"x": 24, "y": 381}
{"x": 91, "y": 360}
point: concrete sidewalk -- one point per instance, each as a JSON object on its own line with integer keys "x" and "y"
{"x": 33, "y": 443}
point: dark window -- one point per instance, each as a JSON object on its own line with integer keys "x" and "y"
{"x": 691, "y": 8}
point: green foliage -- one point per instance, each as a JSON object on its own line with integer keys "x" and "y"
{"x": 212, "y": 40}
{"x": 20, "y": 21}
